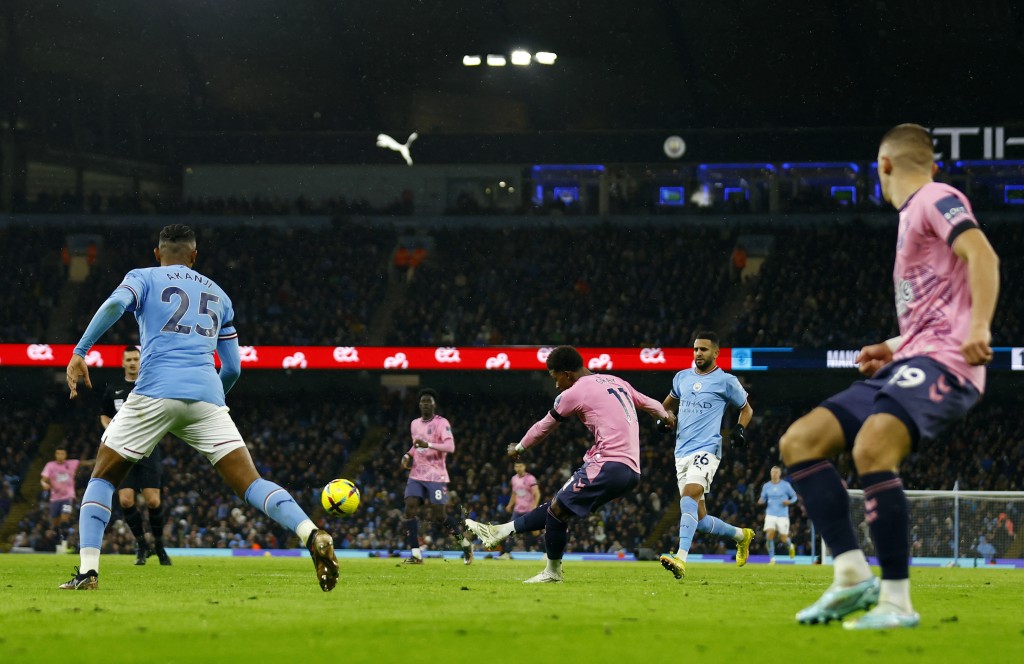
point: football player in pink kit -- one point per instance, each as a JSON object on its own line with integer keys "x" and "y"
{"x": 58, "y": 477}
{"x": 607, "y": 406}
{"x": 946, "y": 280}
{"x": 432, "y": 441}
{"x": 525, "y": 498}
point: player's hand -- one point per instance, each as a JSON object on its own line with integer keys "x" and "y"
{"x": 77, "y": 368}
{"x": 975, "y": 348}
{"x": 406, "y": 461}
{"x": 668, "y": 423}
{"x": 512, "y": 452}
{"x": 738, "y": 437}
{"x": 872, "y": 358}
{"x": 419, "y": 442}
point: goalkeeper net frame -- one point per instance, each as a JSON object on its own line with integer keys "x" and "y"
{"x": 947, "y": 527}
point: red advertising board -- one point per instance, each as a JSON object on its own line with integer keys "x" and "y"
{"x": 395, "y": 358}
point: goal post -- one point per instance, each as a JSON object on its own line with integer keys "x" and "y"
{"x": 947, "y": 527}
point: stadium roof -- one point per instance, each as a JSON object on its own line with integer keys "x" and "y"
{"x": 344, "y": 65}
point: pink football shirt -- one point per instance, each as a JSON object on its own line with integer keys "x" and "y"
{"x": 62, "y": 479}
{"x": 607, "y": 406}
{"x": 933, "y": 301}
{"x": 428, "y": 463}
{"x": 522, "y": 493}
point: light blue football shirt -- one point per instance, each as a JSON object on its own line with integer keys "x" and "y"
{"x": 774, "y": 494}
{"x": 703, "y": 399}
{"x": 181, "y": 315}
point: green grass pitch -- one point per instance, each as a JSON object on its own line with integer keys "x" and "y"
{"x": 271, "y": 609}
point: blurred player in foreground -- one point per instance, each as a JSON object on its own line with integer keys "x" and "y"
{"x": 183, "y": 317}
{"x": 946, "y": 282}
{"x": 611, "y": 468}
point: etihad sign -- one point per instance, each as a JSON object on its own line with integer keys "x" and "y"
{"x": 992, "y": 141}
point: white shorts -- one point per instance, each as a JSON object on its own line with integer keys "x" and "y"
{"x": 779, "y": 524}
{"x": 143, "y": 421}
{"x": 697, "y": 468}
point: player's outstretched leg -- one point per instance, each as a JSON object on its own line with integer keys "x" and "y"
{"x": 492, "y": 535}
{"x": 321, "y": 548}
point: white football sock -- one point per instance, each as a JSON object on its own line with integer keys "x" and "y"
{"x": 90, "y": 560}
{"x": 896, "y": 592}
{"x": 850, "y": 568}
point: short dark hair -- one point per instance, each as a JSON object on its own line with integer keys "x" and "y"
{"x": 706, "y": 334}
{"x": 427, "y": 392}
{"x": 177, "y": 237}
{"x": 131, "y": 349}
{"x": 565, "y": 358}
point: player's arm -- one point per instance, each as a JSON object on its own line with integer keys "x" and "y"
{"x": 746, "y": 414}
{"x": 230, "y": 362}
{"x": 105, "y": 421}
{"x": 535, "y": 491}
{"x": 108, "y": 314}
{"x": 446, "y": 444}
{"x": 44, "y": 481}
{"x": 973, "y": 248}
{"x": 650, "y": 405}
{"x": 761, "y": 500}
{"x": 538, "y": 432}
{"x": 875, "y": 356}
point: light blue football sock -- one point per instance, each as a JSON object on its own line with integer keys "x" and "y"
{"x": 771, "y": 548}
{"x": 687, "y": 523}
{"x": 94, "y": 514}
{"x": 275, "y": 502}
{"x": 712, "y": 525}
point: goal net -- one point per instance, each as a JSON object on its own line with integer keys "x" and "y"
{"x": 955, "y": 525}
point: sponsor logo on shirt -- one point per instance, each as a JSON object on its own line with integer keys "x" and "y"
{"x": 951, "y": 207}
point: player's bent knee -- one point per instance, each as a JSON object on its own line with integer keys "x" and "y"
{"x": 816, "y": 435}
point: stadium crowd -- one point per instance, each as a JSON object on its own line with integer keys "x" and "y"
{"x": 614, "y": 285}
{"x": 301, "y": 442}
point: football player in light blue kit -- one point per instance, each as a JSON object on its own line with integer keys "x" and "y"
{"x": 701, "y": 395}
{"x": 183, "y": 318}
{"x": 778, "y": 495}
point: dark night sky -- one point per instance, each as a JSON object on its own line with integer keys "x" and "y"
{"x": 177, "y": 65}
